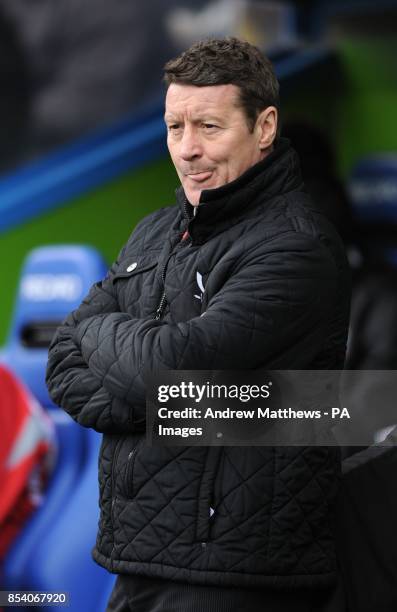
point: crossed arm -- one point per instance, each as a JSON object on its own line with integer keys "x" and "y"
{"x": 70, "y": 381}
{"x": 100, "y": 358}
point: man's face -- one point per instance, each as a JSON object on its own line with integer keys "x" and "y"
{"x": 208, "y": 137}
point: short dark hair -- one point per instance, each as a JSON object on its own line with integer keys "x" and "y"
{"x": 227, "y": 61}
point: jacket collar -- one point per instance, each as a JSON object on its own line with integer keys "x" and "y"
{"x": 276, "y": 174}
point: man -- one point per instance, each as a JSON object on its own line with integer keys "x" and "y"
{"x": 226, "y": 528}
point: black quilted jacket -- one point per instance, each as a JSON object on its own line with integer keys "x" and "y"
{"x": 276, "y": 294}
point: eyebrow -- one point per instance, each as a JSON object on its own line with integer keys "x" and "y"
{"x": 200, "y": 117}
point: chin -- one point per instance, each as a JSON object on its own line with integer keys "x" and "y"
{"x": 193, "y": 198}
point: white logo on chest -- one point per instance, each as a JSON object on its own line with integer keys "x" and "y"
{"x": 199, "y": 279}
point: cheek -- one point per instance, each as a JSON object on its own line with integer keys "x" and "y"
{"x": 173, "y": 150}
{"x": 222, "y": 160}
{"x": 245, "y": 160}
{"x": 175, "y": 162}
{"x": 236, "y": 166}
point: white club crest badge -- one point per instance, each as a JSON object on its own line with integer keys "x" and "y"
{"x": 199, "y": 279}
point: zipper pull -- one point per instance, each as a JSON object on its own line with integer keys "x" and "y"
{"x": 161, "y": 307}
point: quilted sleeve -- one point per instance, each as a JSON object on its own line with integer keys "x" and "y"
{"x": 272, "y": 302}
{"x": 71, "y": 383}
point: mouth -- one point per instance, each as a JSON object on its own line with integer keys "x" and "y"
{"x": 199, "y": 177}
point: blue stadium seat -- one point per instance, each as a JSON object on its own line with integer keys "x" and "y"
{"x": 53, "y": 552}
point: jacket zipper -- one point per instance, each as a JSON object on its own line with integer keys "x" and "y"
{"x": 114, "y": 498}
{"x": 129, "y": 473}
{"x": 128, "y": 482}
{"x": 185, "y": 210}
{"x": 163, "y": 300}
{"x": 206, "y": 502}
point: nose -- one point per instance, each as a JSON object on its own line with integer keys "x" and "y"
{"x": 190, "y": 145}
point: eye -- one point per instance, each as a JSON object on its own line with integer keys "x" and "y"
{"x": 209, "y": 126}
{"x": 174, "y": 127}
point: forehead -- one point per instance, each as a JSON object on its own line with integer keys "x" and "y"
{"x": 189, "y": 99}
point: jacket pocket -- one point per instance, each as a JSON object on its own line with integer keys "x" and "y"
{"x": 129, "y": 470}
{"x": 135, "y": 284}
{"x": 134, "y": 266}
{"x": 206, "y": 514}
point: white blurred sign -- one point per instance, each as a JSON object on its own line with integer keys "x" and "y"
{"x": 51, "y": 287}
{"x": 377, "y": 191}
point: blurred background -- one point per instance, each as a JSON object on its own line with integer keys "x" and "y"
{"x": 83, "y": 158}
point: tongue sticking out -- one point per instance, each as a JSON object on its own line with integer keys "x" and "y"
{"x": 199, "y": 177}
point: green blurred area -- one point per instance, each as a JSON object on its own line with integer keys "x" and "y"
{"x": 356, "y": 107}
{"x": 366, "y": 114}
{"x": 103, "y": 218}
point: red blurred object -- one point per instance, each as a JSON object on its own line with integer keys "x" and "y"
{"x": 26, "y": 453}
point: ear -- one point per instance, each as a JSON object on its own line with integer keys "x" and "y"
{"x": 266, "y": 124}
